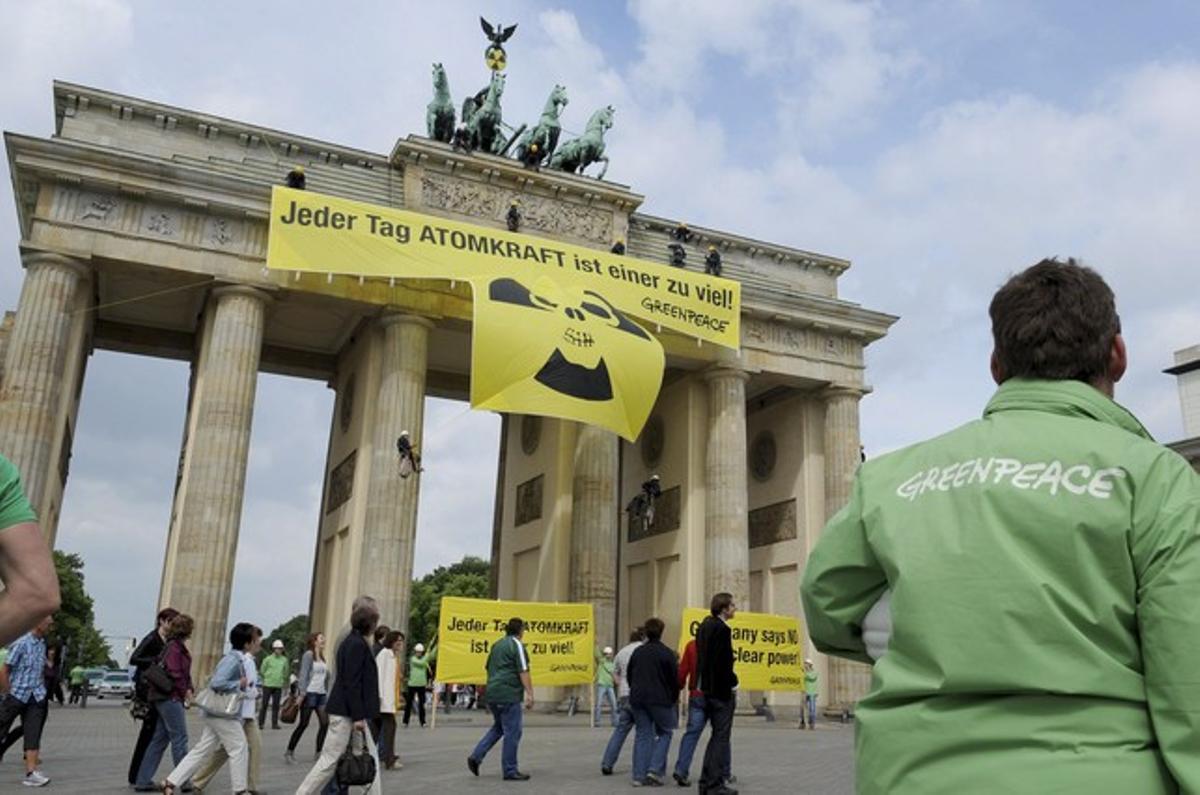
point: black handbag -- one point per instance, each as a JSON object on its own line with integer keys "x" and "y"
{"x": 159, "y": 683}
{"x": 356, "y": 769}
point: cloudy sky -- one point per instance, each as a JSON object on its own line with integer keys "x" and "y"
{"x": 939, "y": 146}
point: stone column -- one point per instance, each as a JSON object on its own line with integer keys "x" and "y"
{"x": 36, "y": 380}
{"x": 208, "y": 498}
{"x": 390, "y": 526}
{"x": 727, "y": 540}
{"x": 595, "y": 523}
{"x": 848, "y": 681}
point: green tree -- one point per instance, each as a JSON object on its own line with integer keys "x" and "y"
{"x": 74, "y": 623}
{"x": 293, "y": 633}
{"x": 469, "y": 577}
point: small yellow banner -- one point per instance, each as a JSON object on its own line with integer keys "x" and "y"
{"x": 324, "y": 234}
{"x": 767, "y": 652}
{"x": 559, "y": 639}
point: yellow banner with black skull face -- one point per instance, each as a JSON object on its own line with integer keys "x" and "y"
{"x": 564, "y": 351}
{"x": 554, "y": 332}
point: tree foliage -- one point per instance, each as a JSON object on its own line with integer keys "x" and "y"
{"x": 74, "y": 623}
{"x": 293, "y": 633}
{"x": 469, "y": 577}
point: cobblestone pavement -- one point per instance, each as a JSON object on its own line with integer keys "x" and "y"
{"x": 87, "y": 751}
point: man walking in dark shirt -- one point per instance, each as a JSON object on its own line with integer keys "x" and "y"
{"x": 718, "y": 683}
{"x": 653, "y": 693}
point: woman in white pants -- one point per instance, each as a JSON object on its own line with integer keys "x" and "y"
{"x": 219, "y": 731}
{"x": 353, "y": 700}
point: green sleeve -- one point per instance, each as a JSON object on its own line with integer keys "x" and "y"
{"x": 1167, "y": 561}
{"x": 841, "y": 582}
{"x": 14, "y": 507}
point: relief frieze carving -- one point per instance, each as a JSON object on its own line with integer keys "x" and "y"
{"x": 771, "y": 524}
{"x": 221, "y": 232}
{"x": 538, "y": 213}
{"x": 160, "y": 223}
{"x": 341, "y": 483}
{"x": 782, "y": 338}
{"x": 97, "y": 208}
{"x": 529, "y": 501}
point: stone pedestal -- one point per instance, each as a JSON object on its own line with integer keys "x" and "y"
{"x": 390, "y": 527}
{"x": 848, "y": 681}
{"x": 594, "y": 527}
{"x": 42, "y": 370}
{"x": 726, "y": 537}
{"x": 198, "y": 574}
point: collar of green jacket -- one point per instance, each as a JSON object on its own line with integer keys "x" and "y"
{"x": 1067, "y": 397}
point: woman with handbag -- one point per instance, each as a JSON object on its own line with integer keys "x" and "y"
{"x": 145, "y": 655}
{"x": 313, "y": 687}
{"x": 353, "y": 705}
{"x": 221, "y": 703}
{"x": 389, "y": 662}
{"x": 168, "y": 686}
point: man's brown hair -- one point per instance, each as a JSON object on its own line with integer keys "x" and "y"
{"x": 1055, "y": 321}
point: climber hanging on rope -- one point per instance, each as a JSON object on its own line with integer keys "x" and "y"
{"x": 641, "y": 507}
{"x": 410, "y": 460}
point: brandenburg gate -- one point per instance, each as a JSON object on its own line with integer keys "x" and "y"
{"x": 144, "y": 229}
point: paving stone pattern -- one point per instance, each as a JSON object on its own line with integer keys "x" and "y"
{"x": 87, "y": 751}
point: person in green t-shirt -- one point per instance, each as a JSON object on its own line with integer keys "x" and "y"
{"x": 604, "y": 684}
{"x": 274, "y": 675}
{"x": 26, "y": 566}
{"x": 811, "y": 691}
{"x": 76, "y": 679}
{"x": 507, "y": 679}
{"x": 418, "y": 679}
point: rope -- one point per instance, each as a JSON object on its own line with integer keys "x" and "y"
{"x": 143, "y": 297}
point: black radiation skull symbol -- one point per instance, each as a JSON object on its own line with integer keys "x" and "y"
{"x": 559, "y": 372}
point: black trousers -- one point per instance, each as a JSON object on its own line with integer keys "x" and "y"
{"x": 720, "y": 716}
{"x": 149, "y": 724}
{"x": 415, "y": 694}
{"x": 33, "y": 717}
{"x": 271, "y": 694}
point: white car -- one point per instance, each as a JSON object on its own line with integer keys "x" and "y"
{"x": 115, "y": 684}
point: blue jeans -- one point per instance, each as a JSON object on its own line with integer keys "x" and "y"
{"x": 171, "y": 728}
{"x": 506, "y": 723}
{"x": 691, "y": 736}
{"x": 606, "y": 693}
{"x": 624, "y": 724}
{"x": 810, "y": 701}
{"x": 655, "y": 723}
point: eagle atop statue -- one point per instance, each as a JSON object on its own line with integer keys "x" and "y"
{"x": 494, "y": 56}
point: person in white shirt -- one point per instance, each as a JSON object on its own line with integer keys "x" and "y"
{"x": 250, "y": 698}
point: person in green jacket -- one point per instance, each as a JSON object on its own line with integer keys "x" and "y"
{"x": 418, "y": 678}
{"x": 274, "y": 674}
{"x": 76, "y": 680}
{"x": 1042, "y": 573}
{"x": 811, "y": 691}
{"x": 604, "y": 684}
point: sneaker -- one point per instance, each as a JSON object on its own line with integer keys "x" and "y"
{"x": 652, "y": 780}
{"x": 681, "y": 780}
{"x": 473, "y": 765}
{"x": 518, "y": 776}
{"x": 606, "y": 770}
{"x": 36, "y": 779}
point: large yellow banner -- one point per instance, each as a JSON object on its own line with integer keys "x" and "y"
{"x": 316, "y": 233}
{"x": 554, "y": 332}
{"x": 767, "y": 651}
{"x": 559, "y": 639}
